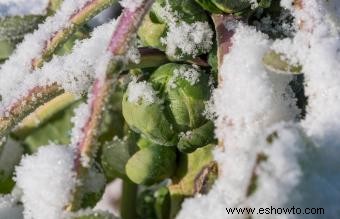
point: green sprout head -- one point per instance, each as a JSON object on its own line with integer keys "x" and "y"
{"x": 172, "y": 102}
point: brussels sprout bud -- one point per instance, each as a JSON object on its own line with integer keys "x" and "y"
{"x": 187, "y": 89}
{"x": 196, "y": 138}
{"x": 151, "y": 33}
{"x": 144, "y": 113}
{"x": 151, "y": 165}
{"x": 231, "y": 6}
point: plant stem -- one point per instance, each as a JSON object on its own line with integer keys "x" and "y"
{"x": 129, "y": 200}
{"x": 127, "y": 26}
{"x": 42, "y": 95}
{"x": 43, "y": 113}
{"x": 76, "y": 20}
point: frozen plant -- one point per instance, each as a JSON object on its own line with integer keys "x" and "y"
{"x": 186, "y": 107}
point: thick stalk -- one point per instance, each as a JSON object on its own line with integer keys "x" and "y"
{"x": 127, "y": 26}
{"x": 129, "y": 200}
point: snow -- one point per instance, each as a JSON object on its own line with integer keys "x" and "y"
{"x": 141, "y": 91}
{"x": 190, "y": 74}
{"x": 266, "y": 100}
{"x": 132, "y": 5}
{"x": 301, "y": 164}
{"x": 23, "y": 7}
{"x": 61, "y": 69}
{"x": 47, "y": 181}
{"x": 81, "y": 115}
{"x": 16, "y": 71}
{"x": 9, "y": 207}
{"x": 190, "y": 39}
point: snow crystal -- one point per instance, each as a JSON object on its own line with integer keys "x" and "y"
{"x": 264, "y": 101}
{"x": 132, "y": 5}
{"x": 75, "y": 78}
{"x": 191, "y": 39}
{"x": 81, "y": 115}
{"x": 189, "y": 74}
{"x": 23, "y": 7}
{"x": 15, "y": 72}
{"x": 141, "y": 91}
{"x": 47, "y": 181}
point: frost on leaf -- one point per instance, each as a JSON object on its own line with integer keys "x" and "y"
{"x": 141, "y": 91}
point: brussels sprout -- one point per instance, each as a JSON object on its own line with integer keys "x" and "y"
{"x": 151, "y": 165}
{"x": 184, "y": 91}
{"x": 231, "y": 6}
{"x": 151, "y": 33}
{"x": 186, "y": 88}
{"x": 148, "y": 119}
{"x": 196, "y": 138}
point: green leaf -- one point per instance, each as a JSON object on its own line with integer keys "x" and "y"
{"x": 231, "y": 6}
{"x": 162, "y": 203}
{"x": 209, "y": 6}
{"x": 197, "y": 138}
{"x": 115, "y": 155}
{"x": 56, "y": 130}
{"x": 195, "y": 174}
{"x": 150, "y": 33}
{"x": 94, "y": 186}
{"x": 150, "y": 121}
{"x": 6, "y": 50}
{"x": 10, "y": 156}
{"x": 276, "y": 62}
{"x": 14, "y": 28}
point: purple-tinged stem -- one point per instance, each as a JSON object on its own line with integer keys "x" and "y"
{"x": 86, "y": 147}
